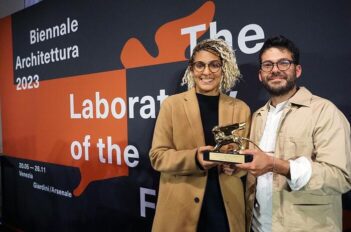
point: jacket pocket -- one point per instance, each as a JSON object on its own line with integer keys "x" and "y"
{"x": 294, "y": 147}
{"x": 307, "y": 210}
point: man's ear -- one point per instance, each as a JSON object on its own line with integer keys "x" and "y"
{"x": 298, "y": 70}
{"x": 260, "y": 75}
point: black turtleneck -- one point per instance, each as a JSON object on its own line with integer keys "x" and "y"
{"x": 213, "y": 216}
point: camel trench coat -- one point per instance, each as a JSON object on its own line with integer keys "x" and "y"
{"x": 177, "y": 135}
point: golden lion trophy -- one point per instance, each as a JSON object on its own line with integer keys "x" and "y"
{"x": 225, "y": 135}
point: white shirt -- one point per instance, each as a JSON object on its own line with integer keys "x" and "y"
{"x": 300, "y": 172}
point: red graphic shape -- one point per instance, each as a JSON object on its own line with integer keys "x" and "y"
{"x": 171, "y": 44}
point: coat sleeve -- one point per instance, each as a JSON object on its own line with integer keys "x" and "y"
{"x": 331, "y": 162}
{"x": 164, "y": 155}
{"x": 246, "y": 133}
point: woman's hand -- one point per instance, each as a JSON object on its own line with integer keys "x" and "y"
{"x": 200, "y": 157}
{"x": 228, "y": 168}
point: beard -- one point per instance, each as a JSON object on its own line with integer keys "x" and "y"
{"x": 279, "y": 90}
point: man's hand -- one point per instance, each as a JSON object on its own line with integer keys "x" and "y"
{"x": 261, "y": 163}
{"x": 200, "y": 157}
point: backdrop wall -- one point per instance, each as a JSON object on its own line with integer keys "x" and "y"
{"x": 81, "y": 83}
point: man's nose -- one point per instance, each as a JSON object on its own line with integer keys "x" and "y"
{"x": 275, "y": 68}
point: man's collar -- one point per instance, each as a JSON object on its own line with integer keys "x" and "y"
{"x": 302, "y": 98}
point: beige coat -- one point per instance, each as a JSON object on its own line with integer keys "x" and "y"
{"x": 178, "y": 133}
{"x": 312, "y": 127}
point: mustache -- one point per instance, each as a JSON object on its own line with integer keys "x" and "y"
{"x": 275, "y": 75}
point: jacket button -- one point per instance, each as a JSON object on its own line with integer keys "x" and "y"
{"x": 197, "y": 200}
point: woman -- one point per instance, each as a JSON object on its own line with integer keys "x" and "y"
{"x": 194, "y": 194}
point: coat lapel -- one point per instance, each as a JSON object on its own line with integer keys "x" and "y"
{"x": 192, "y": 111}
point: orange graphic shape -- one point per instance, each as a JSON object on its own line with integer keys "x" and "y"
{"x": 171, "y": 44}
{"x": 37, "y": 123}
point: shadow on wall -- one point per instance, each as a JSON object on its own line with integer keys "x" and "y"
{"x": 249, "y": 87}
{"x": 346, "y": 203}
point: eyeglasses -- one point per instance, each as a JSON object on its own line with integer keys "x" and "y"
{"x": 282, "y": 65}
{"x": 214, "y": 66}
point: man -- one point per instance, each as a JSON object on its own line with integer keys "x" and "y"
{"x": 302, "y": 167}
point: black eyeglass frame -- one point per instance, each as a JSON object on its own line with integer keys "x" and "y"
{"x": 193, "y": 66}
{"x": 278, "y": 64}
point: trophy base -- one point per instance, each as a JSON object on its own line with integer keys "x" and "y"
{"x": 227, "y": 157}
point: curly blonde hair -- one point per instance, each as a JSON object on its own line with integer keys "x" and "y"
{"x": 230, "y": 69}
